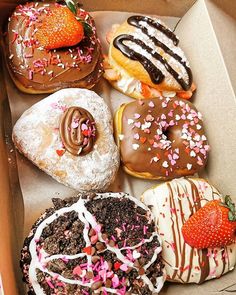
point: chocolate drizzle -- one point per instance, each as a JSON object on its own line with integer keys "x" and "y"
{"x": 77, "y": 130}
{"x": 155, "y": 74}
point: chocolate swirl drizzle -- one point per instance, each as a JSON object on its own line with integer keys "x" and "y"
{"x": 155, "y": 74}
{"x": 77, "y": 130}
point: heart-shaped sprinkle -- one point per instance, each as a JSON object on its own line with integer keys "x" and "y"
{"x": 151, "y": 141}
{"x": 175, "y": 156}
{"x": 177, "y": 117}
{"x": 87, "y": 250}
{"x": 151, "y": 104}
{"x": 137, "y": 124}
{"x": 84, "y": 127}
{"x": 115, "y": 281}
{"x": 146, "y": 125}
{"x": 189, "y": 166}
{"x": 77, "y": 270}
{"x": 130, "y": 121}
{"x": 135, "y": 146}
{"x": 147, "y": 131}
{"x": 60, "y": 152}
{"x": 137, "y": 116}
{"x": 117, "y": 265}
{"x": 136, "y": 136}
{"x": 149, "y": 118}
{"x": 143, "y": 139}
{"x": 124, "y": 267}
{"x": 155, "y": 145}
{"x": 198, "y": 126}
{"x": 75, "y": 124}
{"x": 192, "y": 154}
{"x": 165, "y": 164}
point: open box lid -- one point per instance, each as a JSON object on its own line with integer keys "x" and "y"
{"x": 211, "y": 23}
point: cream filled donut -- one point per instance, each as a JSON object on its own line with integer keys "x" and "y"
{"x": 69, "y": 135}
{"x": 161, "y": 138}
{"x": 172, "y": 204}
{"x": 94, "y": 244}
{"x": 144, "y": 59}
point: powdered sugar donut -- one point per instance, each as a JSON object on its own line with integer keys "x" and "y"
{"x": 69, "y": 135}
{"x": 93, "y": 244}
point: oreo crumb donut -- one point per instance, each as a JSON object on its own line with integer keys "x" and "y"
{"x": 162, "y": 138}
{"x": 94, "y": 244}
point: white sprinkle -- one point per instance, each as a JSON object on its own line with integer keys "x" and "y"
{"x": 165, "y": 164}
{"x": 136, "y": 254}
{"x": 177, "y": 117}
{"x": 146, "y": 125}
{"x": 192, "y": 154}
{"x": 135, "y": 146}
{"x": 11, "y": 56}
{"x": 155, "y": 159}
{"x": 130, "y": 121}
{"x": 121, "y": 136}
{"x": 198, "y": 127}
{"x": 189, "y": 166}
{"x": 204, "y": 137}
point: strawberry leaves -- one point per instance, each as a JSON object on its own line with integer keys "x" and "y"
{"x": 72, "y": 5}
{"x": 228, "y": 203}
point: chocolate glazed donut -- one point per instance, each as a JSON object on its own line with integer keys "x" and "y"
{"x": 162, "y": 138}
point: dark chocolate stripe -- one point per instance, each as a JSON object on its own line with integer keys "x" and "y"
{"x": 135, "y": 19}
{"x": 155, "y": 74}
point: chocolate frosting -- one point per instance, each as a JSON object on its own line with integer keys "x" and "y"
{"x": 155, "y": 73}
{"x": 77, "y": 131}
{"x": 40, "y": 69}
{"x": 163, "y": 137}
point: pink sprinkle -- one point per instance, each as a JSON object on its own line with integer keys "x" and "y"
{"x": 113, "y": 238}
{"x": 137, "y": 116}
{"x": 149, "y": 118}
{"x": 147, "y": 131}
{"x": 136, "y": 136}
{"x": 140, "y": 102}
{"x": 48, "y": 280}
{"x": 137, "y": 124}
{"x": 31, "y": 73}
{"x": 115, "y": 281}
{"x": 77, "y": 270}
{"x": 124, "y": 267}
{"x": 74, "y": 125}
{"x": 94, "y": 239}
{"x": 151, "y": 104}
{"x": 85, "y": 292}
{"x": 98, "y": 228}
{"x": 145, "y": 229}
{"x": 170, "y": 114}
{"x": 84, "y": 127}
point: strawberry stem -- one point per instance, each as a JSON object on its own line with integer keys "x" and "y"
{"x": 228, "y": 203}
{"x": 71, "y": 4}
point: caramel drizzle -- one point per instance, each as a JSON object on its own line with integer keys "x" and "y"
{"x": 75, "y": 140}
{"x": 155, "y": 74}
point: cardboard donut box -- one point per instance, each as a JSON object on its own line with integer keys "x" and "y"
{"x": 207, "y": 30}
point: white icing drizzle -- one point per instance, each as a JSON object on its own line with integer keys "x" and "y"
{"x": 89, "y": 221}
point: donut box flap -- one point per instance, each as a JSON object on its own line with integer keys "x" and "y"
{"x": 202, "y": 33}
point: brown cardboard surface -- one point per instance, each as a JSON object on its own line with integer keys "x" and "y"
{"x": 215, "y": 98}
